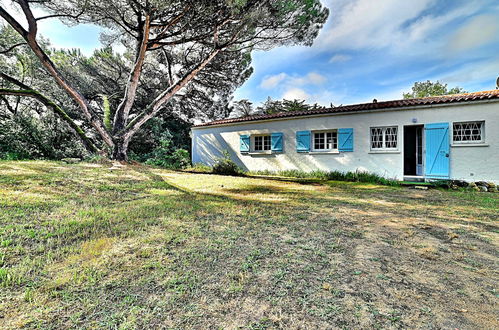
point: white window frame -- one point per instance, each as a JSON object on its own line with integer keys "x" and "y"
{"x": 383, "y": 138}
{"x": 325, "y": 132}
{"x": 253, "y": 143}
{"x": 482, "y": 132}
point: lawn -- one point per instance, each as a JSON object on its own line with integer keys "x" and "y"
{"x": 86, "y": 246}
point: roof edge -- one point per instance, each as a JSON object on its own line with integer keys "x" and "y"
{"x": 488, "y": 96}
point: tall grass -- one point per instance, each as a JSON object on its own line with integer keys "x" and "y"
{"x": 357, "y": 176}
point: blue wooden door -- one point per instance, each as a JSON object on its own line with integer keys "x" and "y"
{"x": 437, "y": 151}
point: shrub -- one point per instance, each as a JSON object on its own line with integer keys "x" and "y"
{"x": 200, "y": 168}
{"x": 9, "y": 155}
{"x": 225, "y": 166}
{"x": 40, "y": 136}
{"x": 178, "y": 159}
{"x": 165, "y": 155}
{"x": 357, "y": 176}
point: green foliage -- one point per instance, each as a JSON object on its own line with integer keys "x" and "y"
{"x": 444, "y": 184}
{"x": 167, "y": 156}
{"x": 163, "y": 142}
{"x": 357, "y": 176}
{"x": 200, "y": 168}
{"x": 156, "y": 130}
{"x": 10, "y": 155}
{"x": 97, "y": 159}
{"x": 428, "y": 88}
{"x": 270, "y": 106}
{"x": 226, "y": 166}
{"x": 217, "y": 63}
{"x": 24, "y": 136}
{"x": 107, "y": 112}
{"x": 243, "y": 108}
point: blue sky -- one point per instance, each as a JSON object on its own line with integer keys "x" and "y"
{"x": 368, "y": 49}
{"x": 378, "y": 49}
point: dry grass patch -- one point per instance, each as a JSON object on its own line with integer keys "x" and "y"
{"x": 89, "y": 246}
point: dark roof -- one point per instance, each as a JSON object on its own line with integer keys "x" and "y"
{"x": 455, "y": 98}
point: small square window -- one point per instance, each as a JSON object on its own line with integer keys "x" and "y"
{"x": 468, "y": 132}
{"x": 325, "y": 141}
{"x": 384, "y": 138}
{"x": 262, "y": 143}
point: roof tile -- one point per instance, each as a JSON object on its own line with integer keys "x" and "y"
{"x": 455, "y": 98}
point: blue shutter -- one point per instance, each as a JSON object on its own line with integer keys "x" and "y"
{"x": 276, "y": 142}
{"x": 437, "y": 150}
{"x": 245, "y": 143}
{"x": 345, "y": 139}
{"x": 303, "y": 141}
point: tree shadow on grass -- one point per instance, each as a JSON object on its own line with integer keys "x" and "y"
{"x": 320, "y": 255}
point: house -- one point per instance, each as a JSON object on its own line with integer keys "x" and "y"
{"x": 444, "y": 137}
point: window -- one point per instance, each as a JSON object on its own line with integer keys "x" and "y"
{"x": 325, "y": 141}
{"x": 384, "y": 138}
{"x": 262, "y": 143}
{"x": 468, "y": 132}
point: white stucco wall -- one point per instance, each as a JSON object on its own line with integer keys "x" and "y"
{"x": 471, "y": 163}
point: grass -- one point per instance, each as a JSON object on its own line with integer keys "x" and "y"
{"x": 86, "y": 246}
{"x": 357, "y": 176}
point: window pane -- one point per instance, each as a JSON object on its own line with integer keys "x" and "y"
{"x": 391, "y": 137}
{"x": 258, "y": 143}
{"x": 376, "y": 138}
{"x": 319, "y": 141}
{"x": 325, "y": 140}
{"x": 266, "y": 142}
{"x": 384, "y": 137}
{"x": 331, "y": 140}
{"x": 471, "y": 131}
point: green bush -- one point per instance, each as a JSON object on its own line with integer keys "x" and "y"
{"x": 9, "y": 155}
{"x": 357, "y": 176}
{"x": 225, "y": 166}
{"x": 29, "y": 136}
{"x": 178, "y": 159}
{"x": 159, "y": 135}
{"x": 200, "y": 168}
{"x": 167, "y": 156}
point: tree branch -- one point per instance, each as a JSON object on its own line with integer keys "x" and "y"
{"x": 164, "y": 97}
{"x": 7, "y": 104}
{"x": 76, "y": 17}
{"x": 58, "y": 110}
{"x": 121, "y": 116}
{"x": 30, "y": 37}
{"x": 12, "y": 47}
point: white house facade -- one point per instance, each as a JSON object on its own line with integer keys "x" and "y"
{"x": 447, "y": 137}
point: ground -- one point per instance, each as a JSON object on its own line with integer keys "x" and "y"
{"x": 86, "y": 246}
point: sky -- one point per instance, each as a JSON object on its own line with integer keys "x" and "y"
{"x": 367, "y": 49}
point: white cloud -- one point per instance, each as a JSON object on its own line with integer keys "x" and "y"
{"x": 316, "y": 78}
{"x": 295, "y": 94}
{"x": 270, "y": 82}
{"x": 479, "y": 31}
{"x": 367, "y": 23}
{"x": 338, "y": 58}
{"x": 283, "y": 80}
{"x": 486, "y": 70}
{"x": 312, "y": 78}
{"x": 404, "y": 27}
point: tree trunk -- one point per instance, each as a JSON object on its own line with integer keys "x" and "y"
{"x": 120, "y": 150}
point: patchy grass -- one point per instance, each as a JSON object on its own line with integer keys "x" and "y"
{"x": 357, "y": 176}
{"x": 83, "y": 246}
